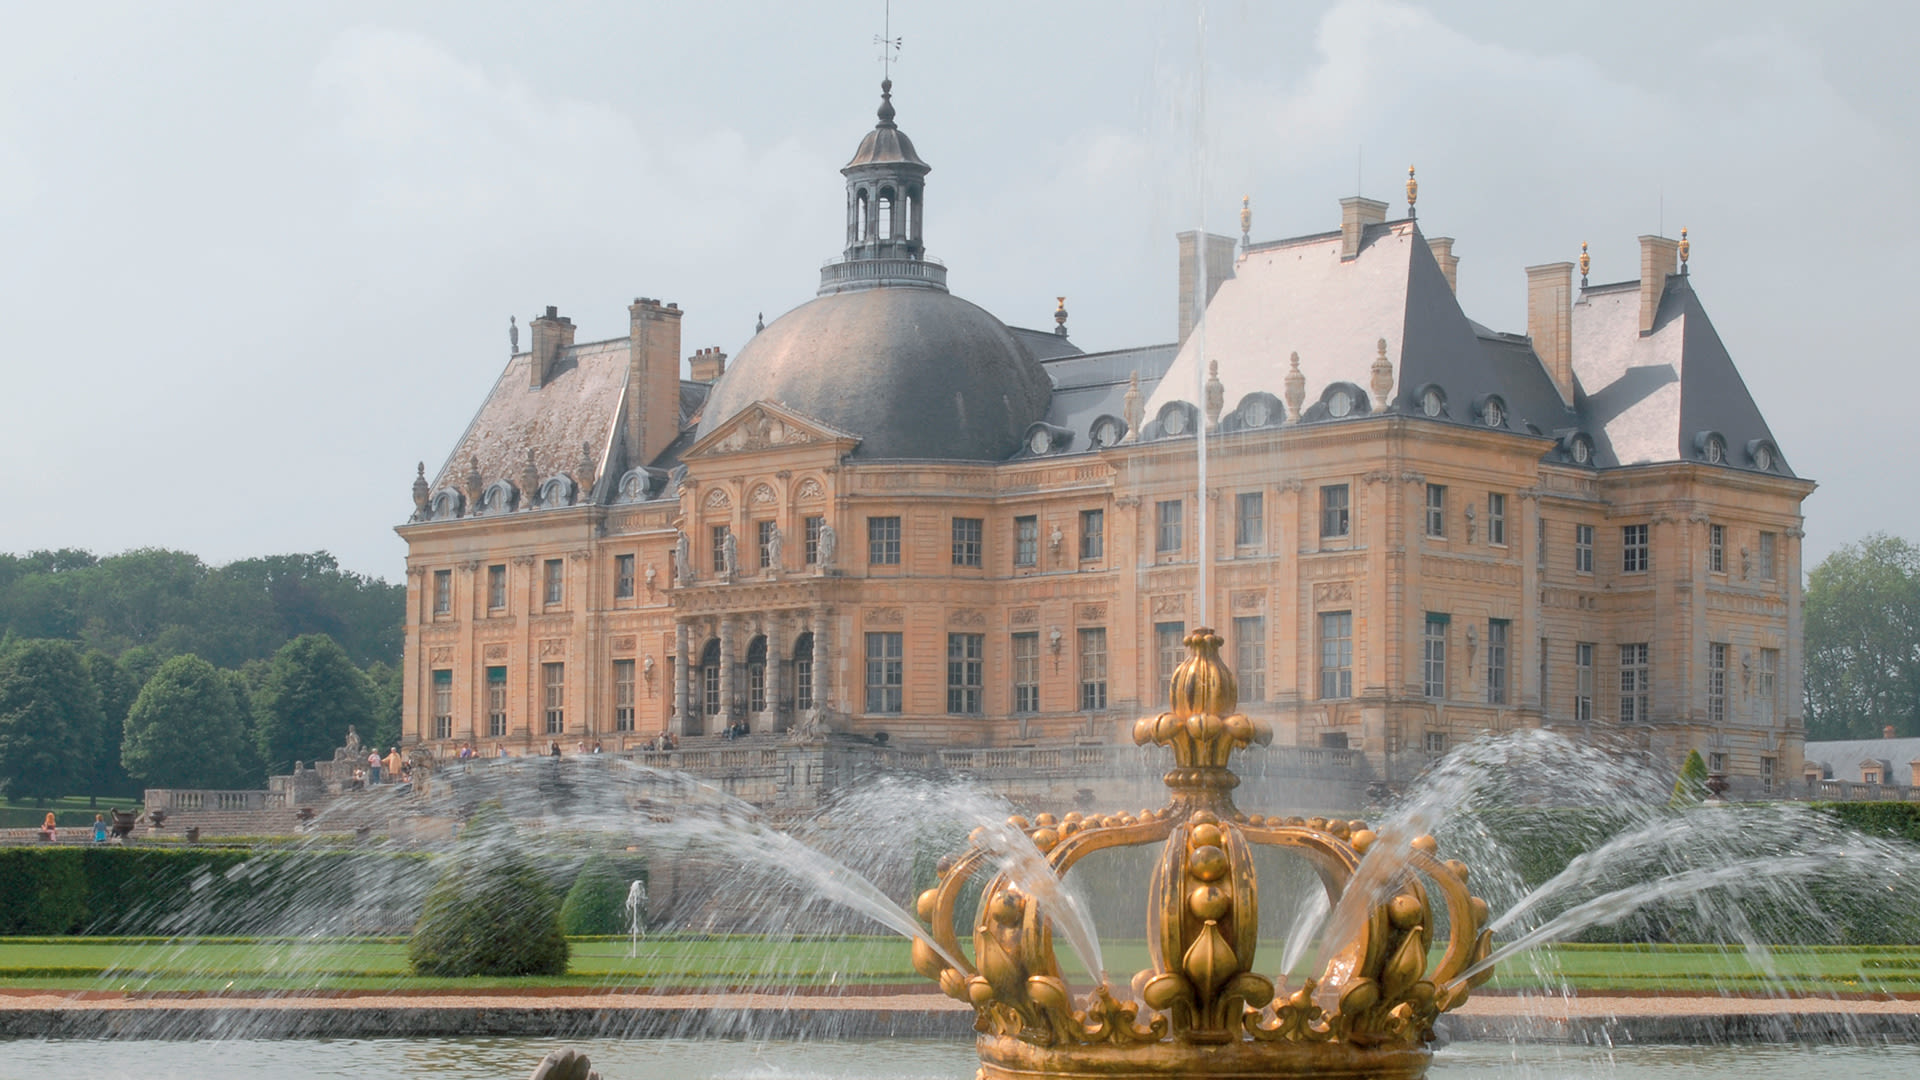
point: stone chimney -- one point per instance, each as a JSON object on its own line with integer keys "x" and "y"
{"x": 653, "y": 379}
{"x": 1356, "y": 213}
{"x": 707, "y": 365}
{"x": 1659, "y": 258}
{"x": 1887, "y": 732}
{"x": 1550, "y": 322}
{"x": 1442, "y": 247}
{"x": 552, "y": 332}
{"x": 1219, "y": 265}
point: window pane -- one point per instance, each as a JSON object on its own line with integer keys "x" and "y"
{"x": 1436, "y": 510}
{"x": 883, "y": 541}
{"x": 885, "y": 671}
{"x": 1170, "y": 648}
{"x": 1026, "y": 673}
{"x": 1249, "y": 519}
{"x": 1093, "y": 669}
{"x": 965, "y": 672}
{"x": 1434, "y": 657}
{"x": 1093, "y": 534}
{"x": 1168, "y": 515}
{"x": 554, "y": 679}
{"x": 1333, "y": 511}
{"x": 622, "y": 577}
{"x": 555, "y": 591}
{"x": 623, "y": 695}
{"x": 1026, "y": 541}
{"x": 966, "y": 541}
{"x": 496, "y": 587}
{"x": 1496, "y": 519}
{"x": 1336, "y": 654}
{"x": 1250, "y": 656}
{"x": 1496, "y": 661}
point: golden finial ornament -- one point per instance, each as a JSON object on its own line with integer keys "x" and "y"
{"x": 1200, "y": 1007}
{"x": 1686, "y": 248}
{"x": 1060, "y": 316}
{"x": 1246, "y": 221}
{"x": 1586, "y": 261}
{"x": 1413, "y": 191}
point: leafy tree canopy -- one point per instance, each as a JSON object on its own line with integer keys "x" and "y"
{"x": 1863, "y": 641}
{"x": 48, "y": 709}
{"x": 187, "y": 730}
{"x": 308, "y": 696}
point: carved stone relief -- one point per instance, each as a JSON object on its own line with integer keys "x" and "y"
{"x": 1024, "y": 616}
{"x": 553, "y": 647}
{"x": 968, "y": 617}
{"x": 1090, "y": 613}
{"x": 624, "y": 643}
{"x": 1175, "y": 604}
{"x": 1332, "y": 592}
{"x": 886, "y": 616}
{"x": 440, "y": 654}
{"x": 497, "y": 651}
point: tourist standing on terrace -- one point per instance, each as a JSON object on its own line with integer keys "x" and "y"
{"x": 48, "y": 830}
{"x": 373, "y": 766}
{"x": 99, "y": 828}
{"x": 393, "y": 763}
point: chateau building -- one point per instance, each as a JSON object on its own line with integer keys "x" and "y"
{"x": 893, "y": 519}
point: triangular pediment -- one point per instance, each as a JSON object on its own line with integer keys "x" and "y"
{"x": 764, "y": 425}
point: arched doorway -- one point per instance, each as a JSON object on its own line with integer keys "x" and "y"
{"x": 706, "y": 696}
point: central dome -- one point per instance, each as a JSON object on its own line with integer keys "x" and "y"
{"x": 916, "y": 373}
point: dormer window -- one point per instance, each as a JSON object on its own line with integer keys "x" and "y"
{"x": 1175, "y": 422}
{"x": 1761, "y": 452}
{"x": 1257, "y": 413}
{"x": 1040, "y": 442}
{"x": 1716, "y": 450}
{"x": 1431, "y": 404}
{"x": 1339, "y": 404}
{"x": 1494, "y": 413}
{"x": 1106, "y": 432}
{"x": 1582, "y": 450}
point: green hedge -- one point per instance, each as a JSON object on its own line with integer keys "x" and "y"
{"x": 1899, "y": 820}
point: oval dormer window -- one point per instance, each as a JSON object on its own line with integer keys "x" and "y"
{"x": 1716, "y": 451}
{"x": 1256, "y": 414}
{"x": 1430, "y": 403}
{"x": 1339, "y": 404}
{"x": 1175, "y": 423}
{"x": 1040, "y": 442}
{"x": 1493, "y": 414}
{"x": 1105, "y": 433}
{"x": 1763, "y": 458}
{"x": 1582, "y": 451}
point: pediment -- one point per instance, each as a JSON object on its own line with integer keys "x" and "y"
{"x": 764, "y": 425}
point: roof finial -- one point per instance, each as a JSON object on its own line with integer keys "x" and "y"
{"x": 1586, "y": 261}
{"x": 1216, "y": 394}
{"x": 1296, "y": 388}
{"x": 513, "y": 337}
{"x": 1246, "y": 222}
{"x": 1686, "y": 248}
{"x": 1060, "y": 317}
{"x": 759, "y": 321}
{"x": 889, "y": 47}
{"x": 1413, "y": 191}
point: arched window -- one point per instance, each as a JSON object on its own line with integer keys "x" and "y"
{"x": 757, "y": 674}
{"x": 860, "y": 218}
{"x": 884, "y": 227}
{"x": 908, "y": 227}
{"x": 803, "y": 673}
{"x": 709, "y": 682}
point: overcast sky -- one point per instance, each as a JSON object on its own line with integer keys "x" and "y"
{"x": 259, "y": 258}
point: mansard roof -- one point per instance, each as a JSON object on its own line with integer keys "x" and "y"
{"x": 579, "y": 402}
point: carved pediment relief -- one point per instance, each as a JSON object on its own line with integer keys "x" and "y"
{"x": 764, "y": 425}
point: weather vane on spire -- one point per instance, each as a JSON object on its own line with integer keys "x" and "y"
{"x": 889, "y": 44}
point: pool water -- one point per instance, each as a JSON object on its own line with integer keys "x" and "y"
{"x": 904, "y": 1059}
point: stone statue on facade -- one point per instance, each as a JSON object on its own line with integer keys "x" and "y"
{"x": 353, "y": 741}
{"x": 729, "y": 553}
{"x": 776, "y": 542}
{"x": 827, "y": 546}
{"x": 682, "y": 559}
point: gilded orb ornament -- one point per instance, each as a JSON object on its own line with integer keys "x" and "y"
{"x": 1202, "y": 1007}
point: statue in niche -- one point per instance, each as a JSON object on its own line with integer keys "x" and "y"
{"x": 353, "y": 740}
{"x": 776, "y": 541}
{"x": 651, "y": 575}
{"x": 730, "y": 553}
{"x": 1470, "y": 520}
{"x": 1054, "y": 540}
{"x": 828, "y": 544}
{"x": 682, "y": 563}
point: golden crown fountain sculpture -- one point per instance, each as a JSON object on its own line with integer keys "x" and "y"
{"x": 1201, "y": 1009}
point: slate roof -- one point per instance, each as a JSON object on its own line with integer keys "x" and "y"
{"x": 1088, "y": 386}
{"x": 579, "y": 403}
{"x": 1840, "y": 759}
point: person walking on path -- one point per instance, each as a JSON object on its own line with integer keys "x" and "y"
{"x": 99, "y": 828}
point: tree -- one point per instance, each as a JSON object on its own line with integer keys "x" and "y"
{"x": 385, "y": 681}
{"x": 117, "y": 688}
{"x": 185, "y": 730}
{"x": 310, "y": 695}
{"x": 1692, "y": 785}
{"x": 48, "y": 709}
{"x": 491, "y": 912}
{"x": 597, "y": 902}
{"x": 1863, "y": 641}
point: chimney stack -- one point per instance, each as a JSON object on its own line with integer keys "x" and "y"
{"x": 1659, "y": 258}
{"x": 653, "y": 379}
{"x": 1550, "y": 322}
{"x": 551, "y": 333}
{"x": 1442, "y": 247}
{"x": 707, "y": 365}
{"x": 1356, "y": 213}
{"x": 1219, "y": 265}
{"x": 1887, "y": 732}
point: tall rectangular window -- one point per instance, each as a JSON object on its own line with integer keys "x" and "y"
{"x": 883, "y": 541}
{"x": 1169, "y": 645}
{"x": 886, "y": 674}
{"x": 813, "y": 523}
{"x": 1433, "y": 656}
{"x": 763, "y": 542}
{"x": 1546, "y": 672}
{"x": 1763, "y": 691}
{"x": 757, "y": 679}
{"x": 1583, "y": 681}
{"x": 1334, "y": 519}
{"x": 1026, "y": 673}
{"x": 1437, "y": 510}
{"x": 442, "y": 592}
{"x": 1540, "y": 543}
{"x": 1336, "y": 654}
{"x": 496, "y": 587}
{"x": 1583, "y": 549}
{"x": 1635, "y": 679}
{"x": 442, "y": 703}
{"x": 1026, "y": 541}
{"x": 1250, "y": 519}
{"x": 1497, "y": 672}
{"x": 496, "y": 701}
{"x": 803, "y": 678}
{"x": 719, "y": 534}
{"x": 1093, "y": 534}
{"x": 1167, "y": 515}
{"x": 1496, "y": 518}
{"x": 1716, "y": 549}
{"x": 554, "y": 678}
{"x": 1093, "y": 669}
{"x": 966, "y": 672}
{"x": 1250, "y": 656}
{"x": 710, "y": 688}
{"x": 1633, "y": 549}
{"x": 554, "y": 574}
{"x": 1768, "y": 767}
{"x": 1768, "y": 543}
{"x": 1716, "y": 682}
{"x": 623, "y": 695}
{"x": 623, "y": 577}
{"x": 966, "y": 541}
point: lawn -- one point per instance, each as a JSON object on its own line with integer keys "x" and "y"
{"x": 69, "y": 812}
{"x": 271, "y": 964}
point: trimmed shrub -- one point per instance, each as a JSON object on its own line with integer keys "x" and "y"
{"x": 491, "y": 912}
{"x": 1691, "y": 787}
{"x": 597, "y": 903}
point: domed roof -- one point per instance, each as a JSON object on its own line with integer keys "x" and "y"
{"x": 915, "y": 372}
{"x": 886, "y": 144}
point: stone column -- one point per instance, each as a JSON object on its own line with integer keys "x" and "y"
{"x": 822, "y": 662}
{"x": 774, "y": 677}
{"x": 727, "y": 673}
{"x": 682, "y": 676}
